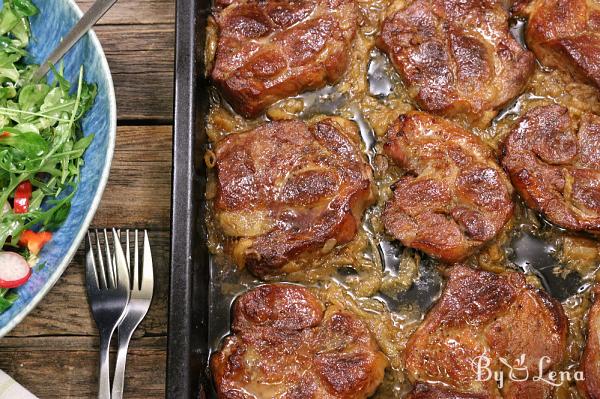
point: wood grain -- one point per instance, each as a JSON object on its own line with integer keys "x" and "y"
{"x": 136, "y": 12}
{"x": 57, "y": 367}
{"x": 138, "y": 193}
{"x": 137, "y": 49}
{"x": 65, "y": 312}
{"x": 58, "y": 341}
{"x": 53, "y": 352}
{"x": 141, "y": 60}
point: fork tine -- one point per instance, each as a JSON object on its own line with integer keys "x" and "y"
{"x": 122, "y": 272}
{"x": 136, "y": 264}
{"x": 128, "y": 255}
{"x": 110, "y": 276}
{"x": 101, "y": 270}
{"x": 91, "y": 275}
{"x": 147, "y": 271}
{"x": 113, "y": 257}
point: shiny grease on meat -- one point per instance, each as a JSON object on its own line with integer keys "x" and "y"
{"x": 269, "y": 50}
{"x": 286, "y": 344}
{"x": 457, "y": 58}
{"x": 291, "y": 189}
{"x": 484, "y": 315}
{"x": 373, "y": 109}
{"x": 565, "y": 34}
{"x": 590, "y": 360}
{"x": 454, "y": 197}
{"x": 553, "y": 159}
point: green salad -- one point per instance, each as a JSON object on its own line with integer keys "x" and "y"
{"x": 41, "y": 149}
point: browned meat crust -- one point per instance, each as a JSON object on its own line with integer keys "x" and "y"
{"x": 272, "y": 49}
{"x": 457, "y": 57}
{"x": 433, "y": 391}
{"x": 565, "y": 34}
{"x": 288, "y": 189}
{"x": 286, "y": 345}
{"x": 454, "y": 197}
{"x": 482, "y": 313}
{"x": 590, "y": 360}
{"x": 554, "y": 162}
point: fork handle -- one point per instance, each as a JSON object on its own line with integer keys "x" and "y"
{"x": 125, "y": 333}
{"x": 89, "y": 19}
{"x": 104, "y": 373}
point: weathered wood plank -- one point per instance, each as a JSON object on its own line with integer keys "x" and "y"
{"x": 141, "y": 60}
{"x": 138, "y": 193}
{"x": 53, "y": 352}
{"x": 71, "y": 372}
{"x": 73, "y": 343}
{"x": 144, "y": 97}
{"x": 136, "y": 12}
{"x": 65, "y": 312}
{"x": 132, "y": 49}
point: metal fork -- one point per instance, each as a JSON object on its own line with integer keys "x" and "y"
{"x": 108, "y": 294}
{"x": 139, "y": 303}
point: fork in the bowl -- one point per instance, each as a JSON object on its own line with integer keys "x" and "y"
{"x": 107, "y": 282}
{"x": 139, "y": 303}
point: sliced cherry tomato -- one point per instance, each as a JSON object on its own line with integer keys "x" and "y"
{"x": 34, "y": 241}
{"x": 22, "y": 197}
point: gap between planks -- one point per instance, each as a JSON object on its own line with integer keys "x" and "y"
{"x": 64, "y": 313}
{"x": 136, "y": 12}
{"x": 138, "y": 193}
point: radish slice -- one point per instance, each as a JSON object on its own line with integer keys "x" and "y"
{"x": 14, "y": 270}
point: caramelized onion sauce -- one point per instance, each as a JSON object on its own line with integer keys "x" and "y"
{"x": 388, "y": 286}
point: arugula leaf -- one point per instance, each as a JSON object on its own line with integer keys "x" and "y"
{"x": 24, "y": 8}
{"x": 9, "y": 46}
{"x": 7, "y": 298}
{"x": 33, "y": 95}
{"x": 25, "y": 144}
{"x": 41, "y": 140}
{"x": 8, "y": 19}
{"x": 7, "y": 92}
{"x": 14, "y": 19}
{"x": 83, "y": 143}
{"x": 63, "y": 83}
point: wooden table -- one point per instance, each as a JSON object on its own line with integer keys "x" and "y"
{"x": 53, "y": 352}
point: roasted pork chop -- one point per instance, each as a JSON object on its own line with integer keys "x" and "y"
{"x": 286, "y": 344}
{"x": 484, "y": 317}
{"x": 291, "y": 189}
{"x": 454, "y": 196}
{"x": 271, "y": 49}
{"x": 590, "y": 360}
{"x": 565, "y": 34}
{"x": 554, "y": 162}
{"x": 457, "y": 57}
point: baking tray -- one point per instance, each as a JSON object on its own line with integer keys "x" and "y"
{"x": 191, "y": 333}
{"x": 189, "y": 276}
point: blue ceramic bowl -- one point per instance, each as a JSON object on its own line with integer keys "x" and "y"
{"x": 55, "y": 19}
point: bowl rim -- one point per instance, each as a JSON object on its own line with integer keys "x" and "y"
{"x": 112, "y": 133}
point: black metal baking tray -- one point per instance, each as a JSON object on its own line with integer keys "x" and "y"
{"x": 197, "y": 322}
{"x": 189, "y": 276}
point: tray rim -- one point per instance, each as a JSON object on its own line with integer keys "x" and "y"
{"x": 187, "y": 351}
